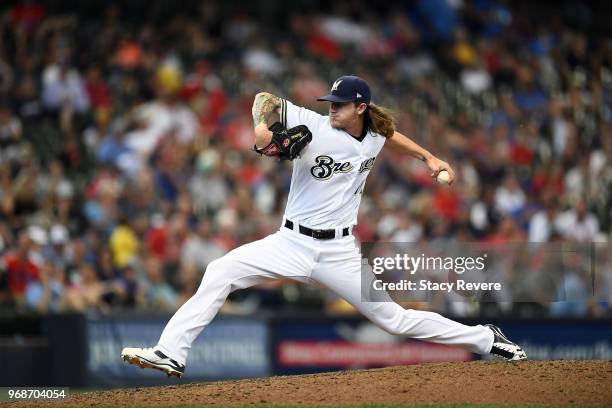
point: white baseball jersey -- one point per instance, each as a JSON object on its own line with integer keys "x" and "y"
{"x": 329, "y": 177}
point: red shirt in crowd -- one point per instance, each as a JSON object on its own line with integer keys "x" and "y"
{"x": 20, "y": 272}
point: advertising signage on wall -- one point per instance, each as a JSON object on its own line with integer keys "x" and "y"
{"x": 335, "y": 344}
{"x": 347, "y": 354}
{"x": 229, "y": 348}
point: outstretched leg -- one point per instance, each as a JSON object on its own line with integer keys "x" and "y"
{"x": 277, "y": 256}
{"x": 339, "y": 269}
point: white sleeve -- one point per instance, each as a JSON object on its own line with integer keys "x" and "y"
{"x": 292, "y": 115}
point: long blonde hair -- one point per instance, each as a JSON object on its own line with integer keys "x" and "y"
{"x": 380, "y": 120}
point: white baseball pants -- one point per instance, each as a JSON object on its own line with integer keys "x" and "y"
{"x": 335, "y": 263}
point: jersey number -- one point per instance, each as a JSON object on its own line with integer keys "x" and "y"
{"x": 360, "y": 188}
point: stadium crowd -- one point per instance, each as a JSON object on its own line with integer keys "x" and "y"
{"x": 126, "y": 135}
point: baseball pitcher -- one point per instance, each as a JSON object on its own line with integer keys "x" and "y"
{"x": 332, "y": 156}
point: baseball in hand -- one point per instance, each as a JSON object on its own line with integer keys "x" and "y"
{"x": 443, "y": 177}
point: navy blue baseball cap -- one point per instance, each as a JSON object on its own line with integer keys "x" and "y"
{"x": 348, "y": 88}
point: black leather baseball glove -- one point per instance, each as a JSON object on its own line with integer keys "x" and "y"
{"x": 286, "y": 144}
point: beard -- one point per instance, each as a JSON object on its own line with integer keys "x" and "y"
{"x": 335, "y": 123}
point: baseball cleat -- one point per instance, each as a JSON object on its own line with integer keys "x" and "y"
{"x": 504, "y": 348}
{"x": 151, "y": 358}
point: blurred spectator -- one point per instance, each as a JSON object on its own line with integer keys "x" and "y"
{"x": 129, "y": 287}
{"x": 578, "y": 224}
{"x": 85, "y": 292}
{"x": 509, "y": 197}
{"x": 10, "y": 133}
{"x": 124, "y": 243}
{"x": 98, "y": 91}
{"x": 46, "y": 295}
{"x": 208, "y": 185}
{"x": 21, "y": 265}
{"x": 57, "y": 251}
{"x": 160, "y": 295}
{"x": 198, "y": 251}
{"x": 542, "y": 223}
{"x": 64, "y": 89}
{"x": 163, "y": 117}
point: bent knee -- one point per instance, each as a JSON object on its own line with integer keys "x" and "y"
{"x": 219, "y": 266}
{"x": 215, "y": 275}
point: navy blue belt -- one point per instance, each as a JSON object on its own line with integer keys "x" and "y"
{"x": 317, "y": 233}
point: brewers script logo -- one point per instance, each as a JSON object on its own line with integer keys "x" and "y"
{"x": 367, "y": 165}
{"x": 327, "y": 167}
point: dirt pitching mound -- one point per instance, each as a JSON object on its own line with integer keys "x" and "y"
{"x": 529, "y": 382}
